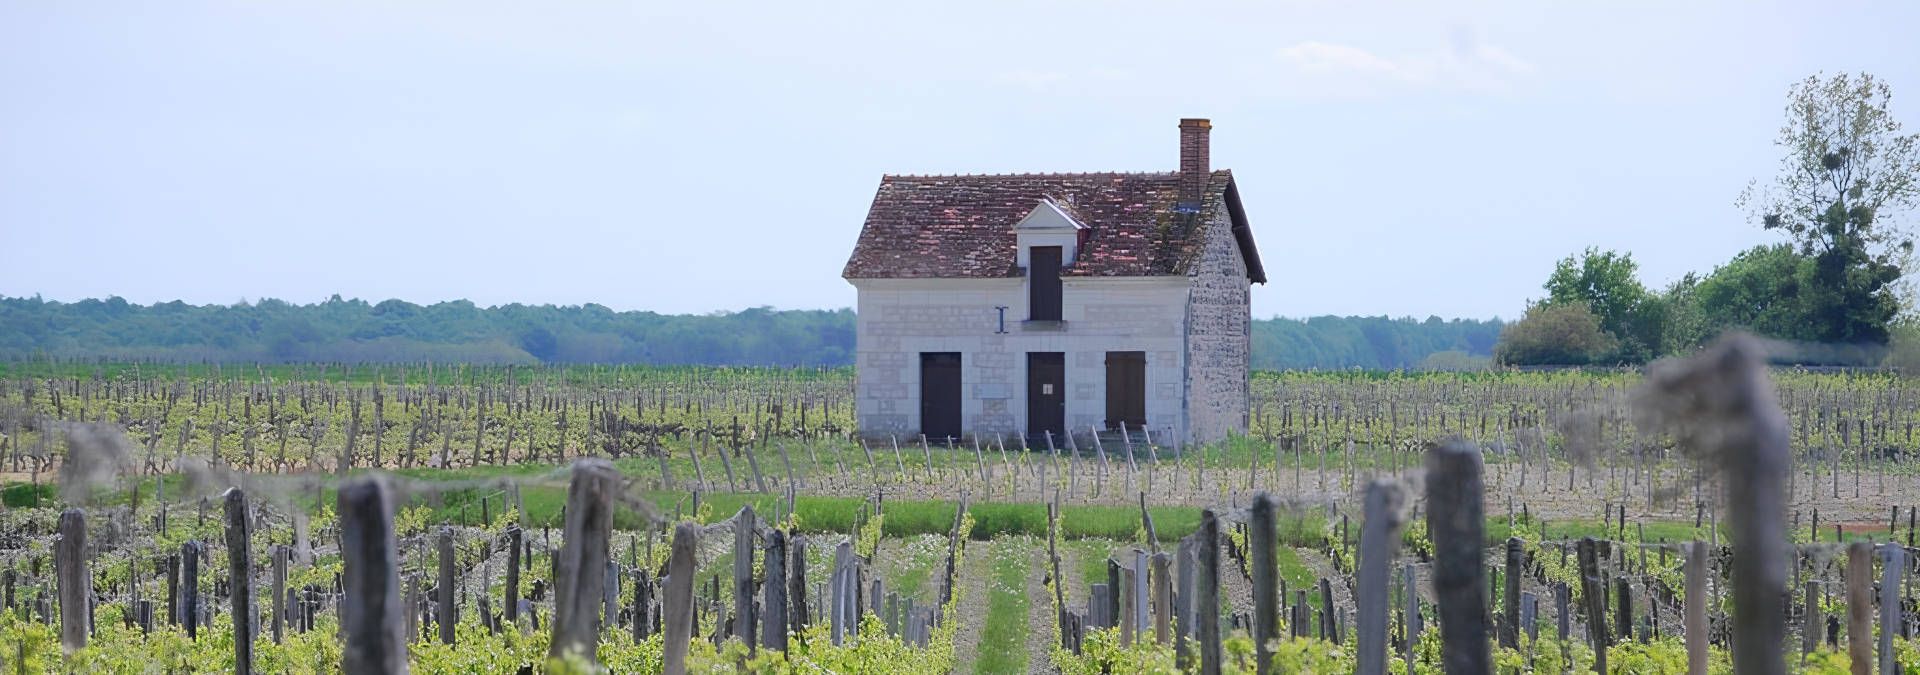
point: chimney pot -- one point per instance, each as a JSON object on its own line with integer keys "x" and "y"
{"x": 1194, "y": 171}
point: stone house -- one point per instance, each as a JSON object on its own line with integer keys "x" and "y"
{"x": 1038, "y": 304}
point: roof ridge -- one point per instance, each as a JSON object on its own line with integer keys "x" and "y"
{"x": 1067, "y": 174}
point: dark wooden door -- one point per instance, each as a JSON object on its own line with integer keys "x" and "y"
{"x": 1047, "y": 394}
{"x": 940, "y": 394}
{"x": 1126, "y": 389}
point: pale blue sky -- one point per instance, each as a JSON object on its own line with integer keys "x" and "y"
{"x": 690, "y": 156}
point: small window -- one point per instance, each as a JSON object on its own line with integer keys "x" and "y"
{"x": 1043, "y": 284}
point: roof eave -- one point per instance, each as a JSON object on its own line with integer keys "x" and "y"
{"x": 1243, "y": 235}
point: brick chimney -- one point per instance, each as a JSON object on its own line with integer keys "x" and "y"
{"x": 1193, "y": 161}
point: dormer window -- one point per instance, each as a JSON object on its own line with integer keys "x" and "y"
{"x": 1048, "y": 239}
{"x": 1043, "y": 284}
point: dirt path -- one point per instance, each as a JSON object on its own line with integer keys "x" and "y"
{"x": 971, "y": 610}
{"x": 1040, "y": 617}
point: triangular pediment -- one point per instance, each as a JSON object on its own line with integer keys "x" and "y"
{"x": 1048, "y": 216}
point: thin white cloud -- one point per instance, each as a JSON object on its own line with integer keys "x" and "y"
{"x": 1323, "y": 69}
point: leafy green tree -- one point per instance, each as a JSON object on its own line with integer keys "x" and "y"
{"x": 1607, "y": 284}
{"x": 1846, "y": 178}
{"x": 1759, "y": 290}
{"x": 1554, "y": 334}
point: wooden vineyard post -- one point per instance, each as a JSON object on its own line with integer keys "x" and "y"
{"x": 190, "y": 610}
{"x": 953, "y": 551}
{"x": 1594, "y": 602}
{"x": 677, "y": 611}
{"x": 1891, "y": 620}
{"x": 1142, "y": 594}
{"x": 1860, "y": 606}
{"x": 610, "y": 593}
{"x": 1455, "y": 522}
{"x": 1185, "y": 572}
{"x": 1623, "y": 590}
{"x": 583, "y": 558}
{"x": 1206, "y": 593}
{"x": 443, "y": 588}
{"x": 1725, "y": 406}
{"x": 1059, "y": 584}
{"x": 1379, "y": 542}
{"x": 1162, "y": 599}
{"x": 1266, "y": 616}
{"x": 797, "y": 583}
{"x": 240, "y": 578}
{"x": 279, "y": 610}
{"x": 1810, "y": 623}
{"x": 515, "y": 547}
{"x": 370, "y": 609}
{"x": 1413, "y": 619}
{"x": 841, "y": 591}
{"x": 743, "y": 549}
{"x": 1510, "y": 602}
{"x": 1329, "y": 620}
{"x": 773, "y": 628}
{"x": 1563, "y": 612}
{"x": 1695, "y": 623}
{"x": 75, "y": 580}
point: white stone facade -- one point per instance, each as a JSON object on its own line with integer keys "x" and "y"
{"x": 900, "y": 318}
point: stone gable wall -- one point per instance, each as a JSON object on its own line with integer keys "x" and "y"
{"x": 1219, "y": 343}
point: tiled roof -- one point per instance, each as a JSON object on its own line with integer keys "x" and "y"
{"x": 962, "y": 226}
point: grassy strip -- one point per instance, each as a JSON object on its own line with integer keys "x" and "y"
{"x": 1003, "y": 641}
{"x": 1297, "y": 575}
{"x": 543, "y": 492}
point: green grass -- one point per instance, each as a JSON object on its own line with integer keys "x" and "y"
{"x": 1003, "y": 646}
{"x": 917, "y": 559}
{"x": 1297, "y": 575}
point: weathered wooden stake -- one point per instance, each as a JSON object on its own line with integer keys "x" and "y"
{"x": 1695, "y": 622}
{"x": 797, "y": 583}
{"x": 370, "y": 609}
{"x": 1206, "y": 593}
{"x": 773, "y": 626}
{"x": 515, "y": 547}
{"x": 1593, "y": 594}
{"x": 443, "y": 591}
{"x": 240, "y": 578}
{"x": 1455, "y": 522}
{"x": 279, "y": 611}
{"x": 677, "y": 611}
{"x": 745, "y": 541}
{"x": 1510, "y": 603}
{"x": 1413, "y": 620}
{"x": 841, "y": 590}
{"x": 190, "y": 553}
{"x": 583, "y": 558}
{"x": 1859, "y": 606}
{"x": 1162, "y": 599}
{"x": 1891, "y": 620}
{"x": 1266, "y": 571}
{"x": 75, "y": 580}
{"x": 1185, "y": 560}
{"x": 1724, "y": 405}
{"x": 1379, "y": 541}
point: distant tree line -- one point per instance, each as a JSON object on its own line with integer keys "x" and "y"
{"x": 394, "y": 331}
{"x": 355, "y": 331}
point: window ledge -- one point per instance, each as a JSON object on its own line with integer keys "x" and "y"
{"x": 1043, "y": 326}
